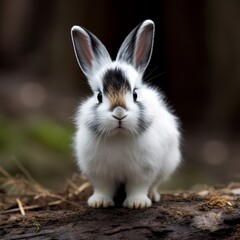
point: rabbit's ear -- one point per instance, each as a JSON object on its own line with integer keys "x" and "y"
{"x": 89, "y": 50}
{"x": 137, "y": 47}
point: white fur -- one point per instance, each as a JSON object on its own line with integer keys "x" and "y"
{"x": 114, "y": 156}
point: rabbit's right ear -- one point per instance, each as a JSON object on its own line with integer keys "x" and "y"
{"x": 89, "y": 50}
{"x": 137, "y": 47}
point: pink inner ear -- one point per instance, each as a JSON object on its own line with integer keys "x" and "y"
{"x": 143, "y": 45}
{"x": 85, "y": 49}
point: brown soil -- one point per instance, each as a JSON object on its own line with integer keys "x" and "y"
{"x": 30, "y": 212}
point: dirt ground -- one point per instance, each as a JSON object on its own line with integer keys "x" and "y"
{"x": 28, "y": 211}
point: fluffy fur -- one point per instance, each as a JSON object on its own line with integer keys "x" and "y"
{"x": 130, "y": 136}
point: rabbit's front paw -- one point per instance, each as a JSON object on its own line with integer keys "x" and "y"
{"x": 154, "y": 195}
{"x": 137, "y": 202}
{"x": 99, "y": 201}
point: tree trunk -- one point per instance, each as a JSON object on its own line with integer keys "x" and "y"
{"x": 209, "y": 214}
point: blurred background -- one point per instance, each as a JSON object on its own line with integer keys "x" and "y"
{"x": 196, "y": 63}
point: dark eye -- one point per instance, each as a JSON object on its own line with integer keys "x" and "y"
{"x": 99, "y": 97}
{"x": 135, "y": 95}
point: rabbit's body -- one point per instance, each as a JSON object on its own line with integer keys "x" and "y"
{"x": 125, "y": 132}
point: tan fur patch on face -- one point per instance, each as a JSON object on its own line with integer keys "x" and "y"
{"x": 116, "y": 98}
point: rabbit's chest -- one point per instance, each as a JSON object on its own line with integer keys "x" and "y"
{"x": 115, "y": 155}
{"x": 120, "y": 160}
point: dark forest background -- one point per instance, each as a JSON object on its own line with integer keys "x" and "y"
{"x": 196, "y": 63}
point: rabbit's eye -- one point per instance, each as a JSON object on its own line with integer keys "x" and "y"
{"x": 99, "y": 97}
{"x": 135, "y": 95}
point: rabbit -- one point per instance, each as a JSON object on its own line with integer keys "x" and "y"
{"x": 126, "y": 133}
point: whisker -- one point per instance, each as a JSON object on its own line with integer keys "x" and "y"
{"x": 145, "y": 78}
{"x": 160, "y": 74}
{"x": 85, "y": 82}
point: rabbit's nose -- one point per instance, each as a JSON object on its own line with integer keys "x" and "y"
{"x": 119, "y": 113}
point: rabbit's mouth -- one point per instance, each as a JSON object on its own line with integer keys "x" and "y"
{"x": 120, "y": 124}
{"x": 119, "y": 121}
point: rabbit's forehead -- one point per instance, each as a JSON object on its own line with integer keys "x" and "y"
{"x": 115, "y": 85}
{"x": 118, "y": 75}
{"x": 115, "y": 80}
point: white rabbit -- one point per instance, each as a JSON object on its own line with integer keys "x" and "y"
{"x": 125, "y": 131}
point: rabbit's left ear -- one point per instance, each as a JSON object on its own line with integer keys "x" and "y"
{"x": 137, "y": 47}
